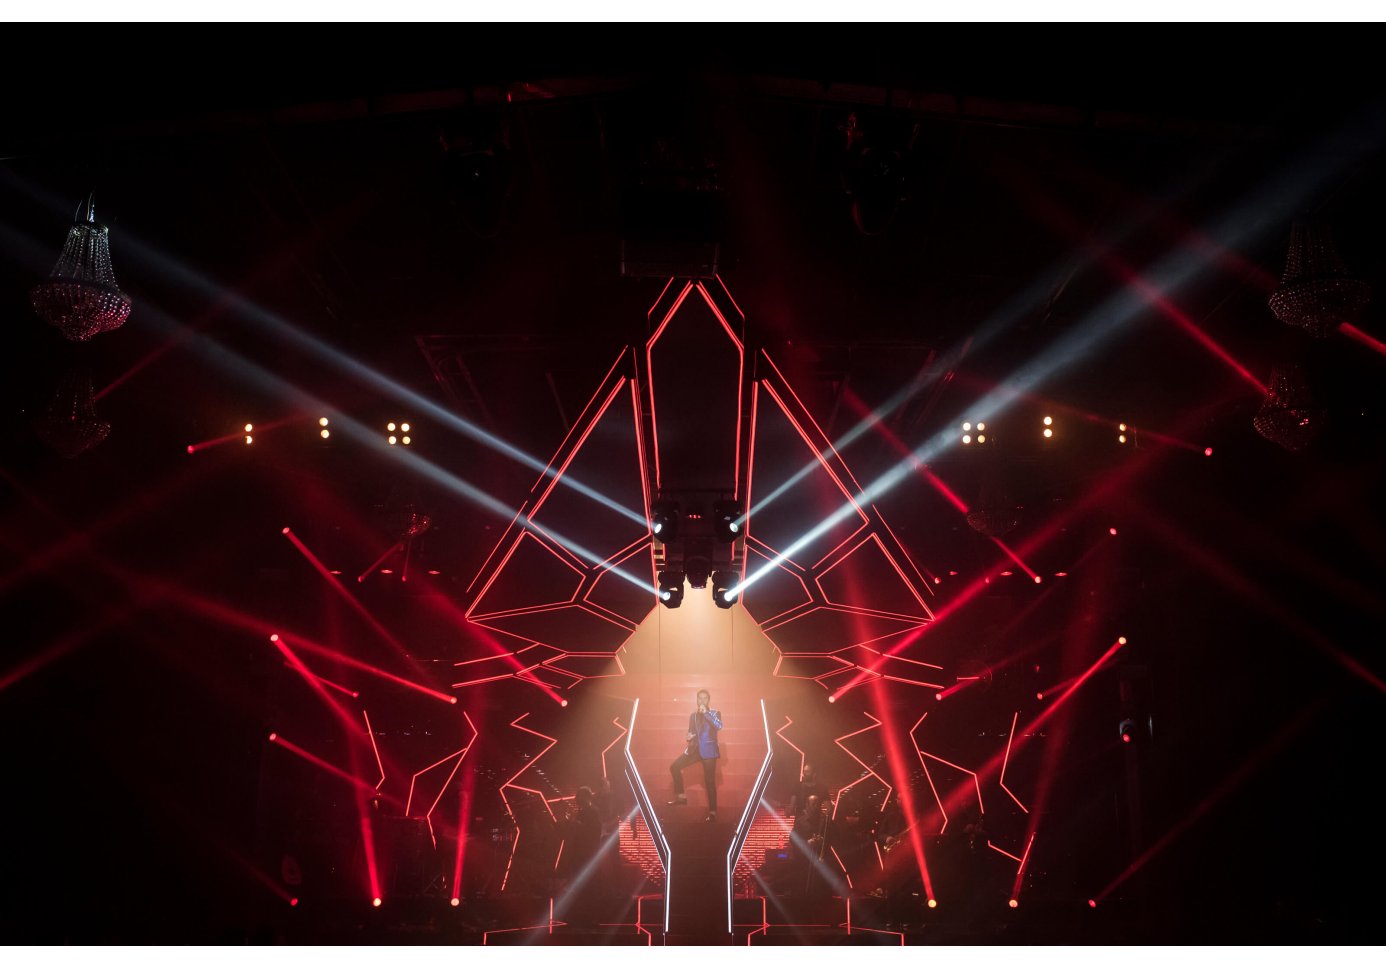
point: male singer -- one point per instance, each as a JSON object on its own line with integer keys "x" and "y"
{"x": 702, "y": 745}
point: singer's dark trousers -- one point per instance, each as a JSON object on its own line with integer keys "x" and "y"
{"x": 709, "y": 775}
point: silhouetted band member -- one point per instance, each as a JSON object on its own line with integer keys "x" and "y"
{"x": 703, "y": 725}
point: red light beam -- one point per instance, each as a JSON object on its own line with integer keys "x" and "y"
{"x": 341, "y": 774}
{"x": 1371, "y": 342}
{"x": 379, "y": 561}
{"x": 308, "y": 646}
{"x": 341, "y": 590}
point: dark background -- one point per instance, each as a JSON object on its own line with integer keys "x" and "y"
{"x": 450, "y": 210}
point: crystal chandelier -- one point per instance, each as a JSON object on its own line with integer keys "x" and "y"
{"x": 80, "y": 296}
{"x": 70, "y": 425}
{"x": 1289, "y": 416}
{"x": 1317, "y": 293}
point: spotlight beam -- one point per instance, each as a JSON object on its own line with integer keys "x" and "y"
{"x": 229, "y": 302}
{"x": 1255, "y": 215}
{"x": 352, "y": 368}
{"x": 222, "y": 356}
{"x": 1107, "y": 486}
{"x": 896, "y": 758}
{"x": 859, "y": 405}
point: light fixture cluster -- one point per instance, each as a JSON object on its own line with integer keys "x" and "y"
{"x": 967, "y": 437}
{"x": 698, "y": 547}
{"x": 398, "y": 433}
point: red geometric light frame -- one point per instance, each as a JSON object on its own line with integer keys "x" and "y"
{"x": 853, "y": 654}
{"x": 924, "y": 756}
{"x": 515, "y": 663}
{"x": 890, "y": 789}
{"x": 872, "y": 531}
{"x": 666, "y": 307}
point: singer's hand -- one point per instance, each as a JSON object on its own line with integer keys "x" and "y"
{"x": 688, "y": 738}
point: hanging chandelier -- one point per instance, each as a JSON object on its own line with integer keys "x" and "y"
{"x": 1289, "y": 416}
{"x": 80, "y": 296}
{"x": 70, "y": 425}
{"x": 1317, "y": 294}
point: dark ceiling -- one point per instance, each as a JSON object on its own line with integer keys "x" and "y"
{"x": 461, "y": 227}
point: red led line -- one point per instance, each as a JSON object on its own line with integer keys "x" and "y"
{"x": 889, "y": 789}
{"x": 846, "y": 875}
{"x": 740, "y": 376}
{"x": 1006, "y": 852}
{"x": 929, "y": 776}
{"x": 851, "y": 499}
{"x": 730, "y": 296}
{"x": 639, "y": 418}
{"x": 904, "y": 552}
{"x": 582, "y": 417}
{"x": 511, "y": 783}
{"x": 808, "y": 416}
{"x": 616, "y": 721}
{"x": 1010, "y": 736}
{"x": 577, "y": 448}
{"x": 780, "y": 733}
{"x": 750, "y": 468}
{"x": 920, "y": 750}
{"x": 370, "y": 731}
{"x": 649, "y": 375}
{"x": 499, "y": 544}
{"x": 460, "y": 755}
